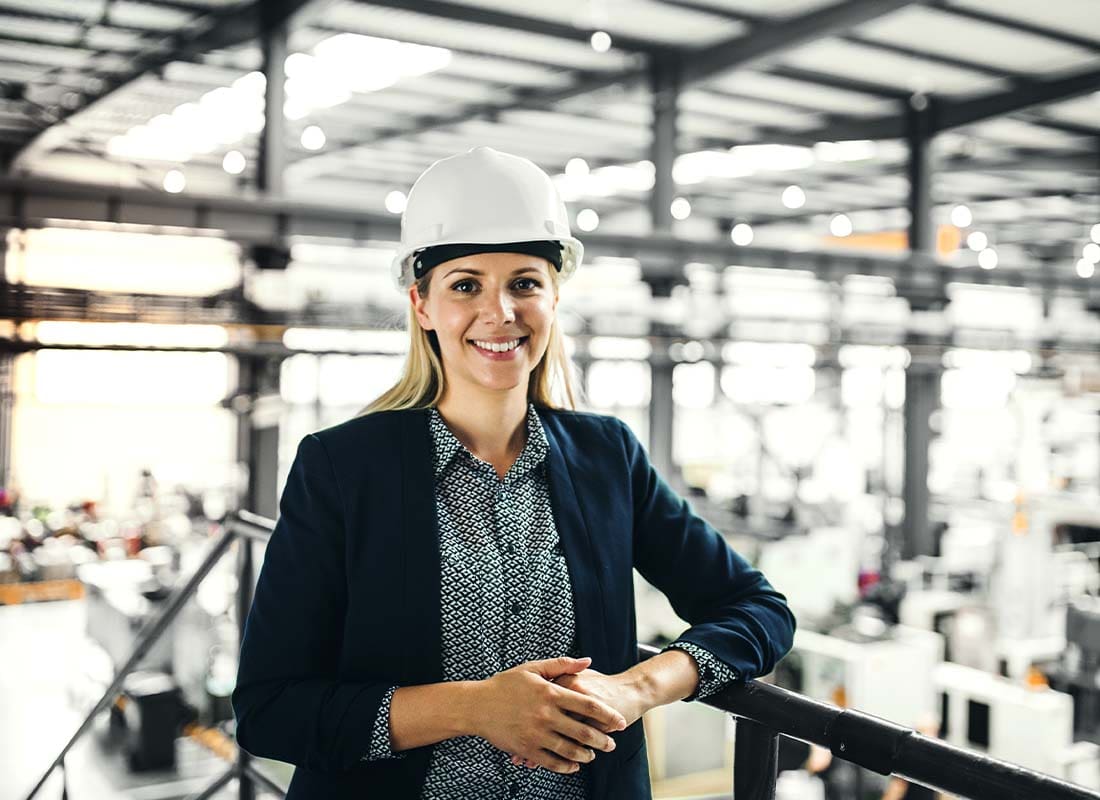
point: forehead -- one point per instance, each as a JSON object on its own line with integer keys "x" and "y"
{"x": 493, "y": 265}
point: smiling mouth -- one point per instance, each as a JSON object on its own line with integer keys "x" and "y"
{"x": 498, "y": 347}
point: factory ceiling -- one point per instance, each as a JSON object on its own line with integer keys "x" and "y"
{"x": 770, "y": 94}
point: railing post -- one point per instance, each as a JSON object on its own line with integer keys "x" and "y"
{"x": 755, "y": 761}
{"x": 244, "y": 603}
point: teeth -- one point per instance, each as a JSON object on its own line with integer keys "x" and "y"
{"x": 498, "y": 347}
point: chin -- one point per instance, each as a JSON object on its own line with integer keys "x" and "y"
{"x": 499, "y": 385}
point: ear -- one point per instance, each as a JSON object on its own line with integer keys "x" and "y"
{"x": 420, "y": 308}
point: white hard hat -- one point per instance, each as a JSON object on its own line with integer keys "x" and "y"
{"x": 483, "y": 196}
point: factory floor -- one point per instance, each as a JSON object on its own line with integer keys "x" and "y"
{"x": 44, "y": 687}
{"x": 41, "y": 650}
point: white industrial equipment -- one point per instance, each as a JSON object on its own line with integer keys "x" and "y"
{"x": 815, "y": 571}
{"x": 888, "y": 674}
{"x": 1032, "y": 727}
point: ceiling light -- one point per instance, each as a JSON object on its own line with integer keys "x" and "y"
{"x": 1091, "y": 253}
{"x": 681, "y": 208}
{"x": 741, "y": 234}
{"x": 961, "y": 216}
{"x": 587, "y": 219}
{"x": 234, "y": 162}
{"x": 174, "y": 181}
{"x": 987, "y": 259}
{"x": 395, "y": 202}
{"x": 853, "y": 150}
{"x": 313, "y": 138}
{"x": 601, "y": 41}
{"x": 977, "y": 241}
{"x": 1085, "y": 268}
{"x": 576, "y": 168}
{"x": 1096, "y": 233}
{"x": 840, "y": 225}
{"x": 794, "y": 197}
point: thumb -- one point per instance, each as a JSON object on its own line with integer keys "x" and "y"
{"x": 553, "y": 667}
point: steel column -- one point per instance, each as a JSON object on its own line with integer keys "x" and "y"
{"x": 922, "y": 397}
{"x": 272, "y": 160}
{"x": 922, "y": 377}
{"x": 665, "y": 86}
{"x": 258, "y": 408}
{"x": 922, "y": 235}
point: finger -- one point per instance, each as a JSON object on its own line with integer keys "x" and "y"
{"x": 569, "y": 750}
{"x": 553, "y": 667}
{"x": 584, "y": 734}
{"x": 552, "y": 762}
{"x": 607, "y": 718}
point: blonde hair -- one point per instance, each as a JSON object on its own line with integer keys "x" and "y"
{"x": 422, "y": 381}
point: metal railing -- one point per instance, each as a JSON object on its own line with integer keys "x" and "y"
{"x": 247, "y": 528}
{"x": 764, "y": 713}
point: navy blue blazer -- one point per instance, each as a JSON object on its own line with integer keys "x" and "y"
{"x": 347, "y": 600}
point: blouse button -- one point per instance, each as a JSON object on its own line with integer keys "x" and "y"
{"x": 516, "y": 607}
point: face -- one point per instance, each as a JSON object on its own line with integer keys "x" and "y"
{"x": 492, "y": 313}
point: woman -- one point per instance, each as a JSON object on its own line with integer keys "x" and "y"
{"x": 446, "y": 606}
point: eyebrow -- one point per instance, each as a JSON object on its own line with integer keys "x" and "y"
{"x": 469, "y": 271}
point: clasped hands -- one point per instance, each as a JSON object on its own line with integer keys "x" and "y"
{"x": 556, "y": 713}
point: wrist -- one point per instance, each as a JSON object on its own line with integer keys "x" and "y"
{"x": 664, "y": 678}
{"x": 640, "y": 685}
{"x": 469, "y": 705}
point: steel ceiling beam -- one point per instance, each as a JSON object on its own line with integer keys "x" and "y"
{"x": 56, "y": 16}
{"x": 950, "y": 114}
{"x": 877, "y": 90}
{"x": 1023, "y": 95}
{"x": 762, "y": 42}
{"x": 30, "y": 203}
{"x": 768, "y": 39}
{"x": 1018, "y": 25}
{"x": 41, "y": 41}
{"x": 220, "y": 28}
{"x": 954, "y": 62}
{"x": 478, "y": 15}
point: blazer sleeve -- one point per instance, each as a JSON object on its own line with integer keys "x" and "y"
{"x": 734, "y": 612}
{"x": 289, "y": 702}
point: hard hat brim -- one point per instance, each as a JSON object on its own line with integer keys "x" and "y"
{"x": 401, "y": 268}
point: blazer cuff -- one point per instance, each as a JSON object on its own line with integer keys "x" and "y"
{"x": 381, "y": 744}
{"x": 713, "y": 674}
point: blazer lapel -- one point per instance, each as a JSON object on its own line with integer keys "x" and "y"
{"x": 580, "y": 555}
{"x": 420, "y": 537}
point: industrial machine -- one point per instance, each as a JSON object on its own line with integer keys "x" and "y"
{"x": 1077, "y": 671}
{"x": 870, "y": 667}
{"x": 1030, "y": 726}
{"x": 794, "y": 565}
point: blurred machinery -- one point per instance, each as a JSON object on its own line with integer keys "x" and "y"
{"x": 868, "y": 666}
{"x": 1077, "y": 672}
{"x": 991, "y": 714}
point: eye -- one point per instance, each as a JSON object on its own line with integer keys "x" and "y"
{"x": 464, "y": 287}
{"x": 526, "y": 284}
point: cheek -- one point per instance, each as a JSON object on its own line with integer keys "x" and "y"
{"x": 540, "y": 313}
{"x": 452, "y": 322}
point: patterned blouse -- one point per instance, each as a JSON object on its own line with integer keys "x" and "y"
{"x": 506, "y": 599}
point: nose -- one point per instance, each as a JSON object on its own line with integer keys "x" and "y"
{"x": 498, "y": 307}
